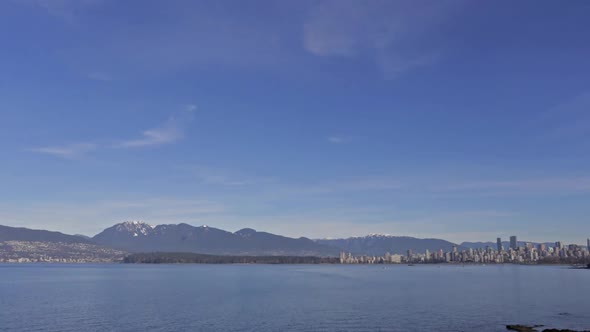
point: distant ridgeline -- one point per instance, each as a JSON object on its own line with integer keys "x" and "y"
{"x": 183, "y": 243}
{"x": 191, "y": 258}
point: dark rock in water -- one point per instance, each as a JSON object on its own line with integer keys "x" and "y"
{"x": 522, "y": 328}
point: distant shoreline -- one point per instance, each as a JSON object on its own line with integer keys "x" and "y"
{"x": 263, "y": 262}
{"x": 194, "y": 258}
{"x": 3, "y": 264}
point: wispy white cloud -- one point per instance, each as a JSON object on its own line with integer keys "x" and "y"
{"x": 338, "y": 139}
{"x": 66, "y": 151}
{"x": 170, "y": 132}
{"x": 190, "y": 107}
{"x": 388, "y": 31}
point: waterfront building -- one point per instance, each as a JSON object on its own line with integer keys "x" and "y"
{"x": 529, "y": 254}
{"x": 513, "y": 242}
{"x": 396, "y": 259}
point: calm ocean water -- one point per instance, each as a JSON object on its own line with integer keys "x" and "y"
{"x": 290, "y": 297}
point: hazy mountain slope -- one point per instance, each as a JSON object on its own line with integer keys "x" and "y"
{"x": 381, "y": 244}
{"x": 282, "y": 245}
{"x": 24, "y": 234}
{"x": 141, "y": 237}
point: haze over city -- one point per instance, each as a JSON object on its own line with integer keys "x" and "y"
{"x": 455, "y": 120}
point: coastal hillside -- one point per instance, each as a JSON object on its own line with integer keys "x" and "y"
{"x": 377, "y": 244}
{"x": 142, "y": 237}
{"x": 24, "y": 234}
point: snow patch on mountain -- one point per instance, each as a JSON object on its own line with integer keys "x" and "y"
{"x": 136, "y": 228}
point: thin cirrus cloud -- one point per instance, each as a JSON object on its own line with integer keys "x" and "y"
{"x": 66, "y": 151}
{"x": 392, "y": 33}
{"x": 172, "y": 131}
{"x": 338, "y": 139}
{"x": 396, "y": 36}
{"x": 169, "y": 133}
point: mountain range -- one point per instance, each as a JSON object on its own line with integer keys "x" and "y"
{"x": 379, "y": 244}
{"x": 137, "y": 237}
{"x": 32, "y": 235}
{"x": 141, "y": 237}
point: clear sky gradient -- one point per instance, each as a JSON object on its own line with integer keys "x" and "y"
{"x": 449, "y": 119}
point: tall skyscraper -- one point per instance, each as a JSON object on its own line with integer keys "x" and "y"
{"x": 499, "y": 244}
{"x": 513, "y": 242}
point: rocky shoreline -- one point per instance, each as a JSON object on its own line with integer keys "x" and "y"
{"x": 535, "y": 328}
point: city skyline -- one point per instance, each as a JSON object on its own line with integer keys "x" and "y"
{"x": 530, "y": 253}
{"x": 455, "y": 120}
{"x": 522, "y": 255}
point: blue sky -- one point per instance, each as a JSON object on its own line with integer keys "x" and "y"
{"x": 456, "y": 120}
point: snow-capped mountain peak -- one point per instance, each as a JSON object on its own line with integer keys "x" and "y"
{"x": 378, "y": 235}
{"x": 137, "y": 228}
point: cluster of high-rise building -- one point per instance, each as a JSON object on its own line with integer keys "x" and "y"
{"x": 515, "y": 253}
{"x": 348, "y": 258}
